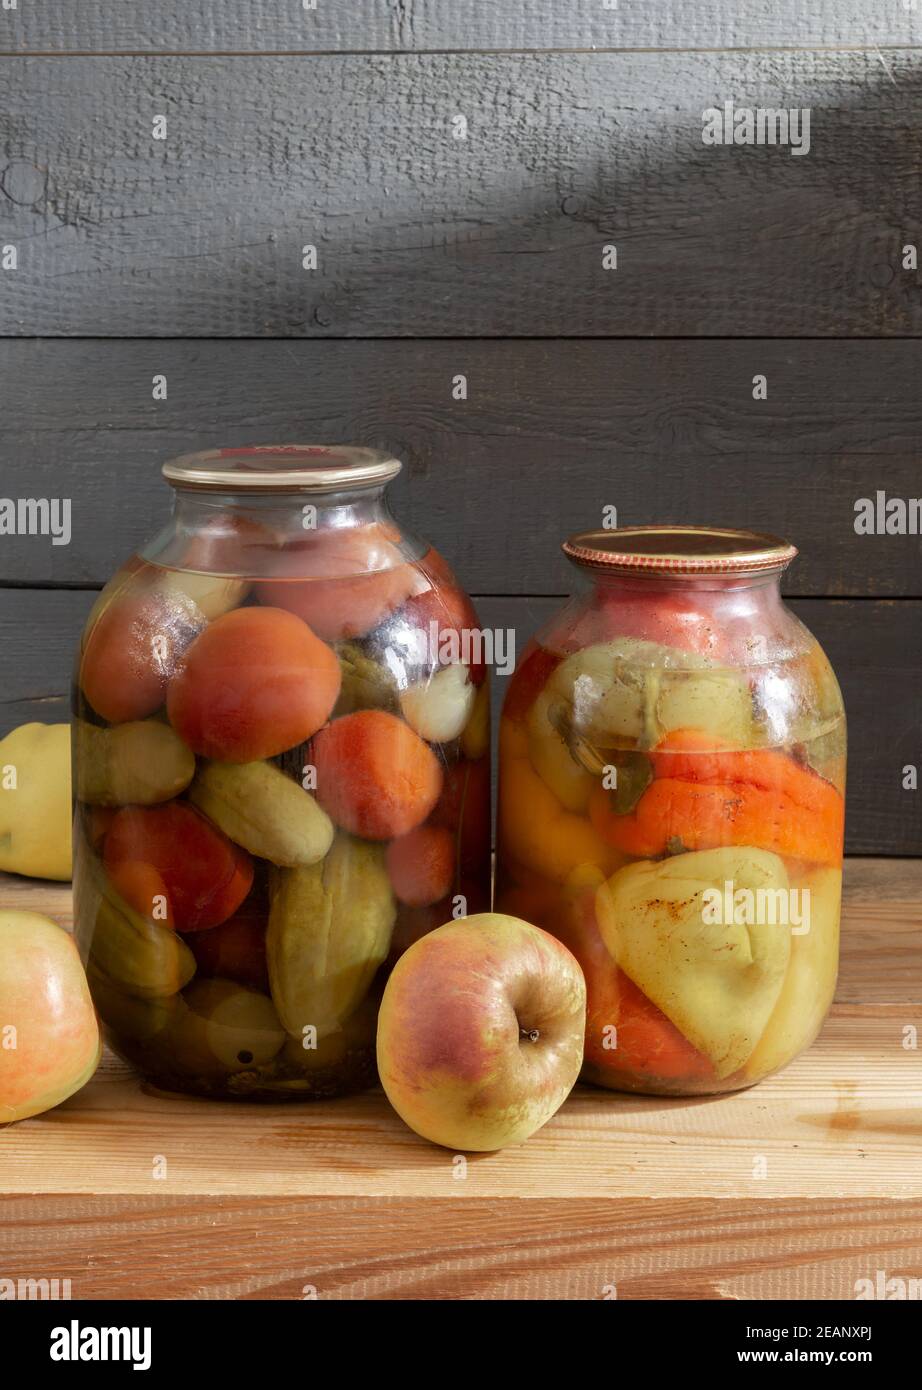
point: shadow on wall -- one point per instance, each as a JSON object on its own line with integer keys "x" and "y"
{"x": 497, "y": 226}
{"x": 462, "y": 195}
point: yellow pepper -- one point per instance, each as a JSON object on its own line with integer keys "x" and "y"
{"x": 551, "y": 758}
{"x": 35, "y": 808}
{"x": 717, "y": 980}
{"x": 810, "y": 981}
{"x": 535, "y": 827}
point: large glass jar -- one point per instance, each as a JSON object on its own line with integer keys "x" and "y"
{"x": 671, "y": 806}
{"x": 281, "y": 773}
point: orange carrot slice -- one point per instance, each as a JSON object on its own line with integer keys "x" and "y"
{"x": 648, "y": 1043}
{"x": 692, "y": 755}
{"x": 701, "y": 815}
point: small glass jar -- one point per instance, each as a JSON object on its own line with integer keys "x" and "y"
{"x": 671, "y": 806}
{"x": 281, "y": 773}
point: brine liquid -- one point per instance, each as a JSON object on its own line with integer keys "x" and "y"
{"x": 696, "y": 879}
{"x": 206, "y": 938}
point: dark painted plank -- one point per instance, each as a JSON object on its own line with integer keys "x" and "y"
{"x": 875, "y": 647}
{"x": 419, "y": 232}
{"x": 39, "y": 631}
{"x": 368, "y": 25}
{"x": 549, "y": 435}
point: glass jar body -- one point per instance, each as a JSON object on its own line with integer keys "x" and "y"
{"x": 281, "y": 780}
{"x": 671, "y": 806}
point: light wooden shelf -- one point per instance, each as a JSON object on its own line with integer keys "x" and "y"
{"x": 652, "y": 1195}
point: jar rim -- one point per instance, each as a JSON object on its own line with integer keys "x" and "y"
{"x": 679, "y": 550}
{"x": 282, "y": 468}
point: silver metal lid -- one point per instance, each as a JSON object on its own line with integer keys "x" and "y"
{"x": 283, "y": 468}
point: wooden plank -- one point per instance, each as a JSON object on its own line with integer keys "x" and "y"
{"x": 842, "y": 1121}
{"x": 874, "y": 646}
{"x": 654, "y": 1197}
{"x": 551, "y": 432}
{"x": 376, "y": 25}
{"x": 156, "y": 1247}
{"x": 420, "y": 232}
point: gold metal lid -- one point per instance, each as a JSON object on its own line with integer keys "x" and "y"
{"x": 283, "y": 468}
{"x": 679, "y": 550}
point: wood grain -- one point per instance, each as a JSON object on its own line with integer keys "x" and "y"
{"x": 843, "y": 1121}
{"x": 650, "y": 1199}
{"x": 388, "y": 1249}
{"x": 421, "y": 233}
{"x": 549, "y": 435}
{"x": 415, "y": 25}
{"x": 874, "y": 647}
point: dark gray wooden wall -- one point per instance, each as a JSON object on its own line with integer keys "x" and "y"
{"x": 421, "y": 233}
{"x": 336, "y": 127}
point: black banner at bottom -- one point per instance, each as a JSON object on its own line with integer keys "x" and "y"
{"x": 243, "y": 1339}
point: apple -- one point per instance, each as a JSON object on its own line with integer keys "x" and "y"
{"x": 49, "y": 1038}
{"x": 480, "y": 1034}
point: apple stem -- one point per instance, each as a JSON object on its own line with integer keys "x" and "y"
{"x": 531, "y": 1034}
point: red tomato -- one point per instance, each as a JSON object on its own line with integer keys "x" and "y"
{"x": 435, "y": 568}
{"x": 464, "y": 809}
{"x": 375, "y": 777}
{"x": 203, "y": 875}
{"x": 236, "y": 949}
{"x": 648, "y": 1044}
{"x": 141, "y": 886}
{"x": 421, "y": 865}
{"x": 232, "y": 544}
{"x": 133, "y": 649}
{"x": 450, "y": 609}
{"x": 667, "y": 617}
{"x": 534, "y": 670}
{"x": 343, "y": 582}
{"x": 257, "y": 682}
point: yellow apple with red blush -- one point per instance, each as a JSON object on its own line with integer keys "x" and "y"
{"x": 49, "y": 1037}
{"x": 480, "y": 1034}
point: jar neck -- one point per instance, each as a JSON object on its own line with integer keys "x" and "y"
{"x": 741, "y": 592}
{"x": 764, "y": 587}
{"x": 245, "y": 531}
{"x": 726, "y": 618}
{"x": 753, "y": 599}
{"x": 289, "y": 514}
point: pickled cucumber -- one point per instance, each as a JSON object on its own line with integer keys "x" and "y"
{"x": 329, "y": 930}
{"x": 127, "y": 1014}
{"x": 267, "y": 813}
{"x": 139, "y": 763}
{"x": 139, "y": 956}
{"x": 225, "y": 1028}
{"x": 366, "y": 683}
